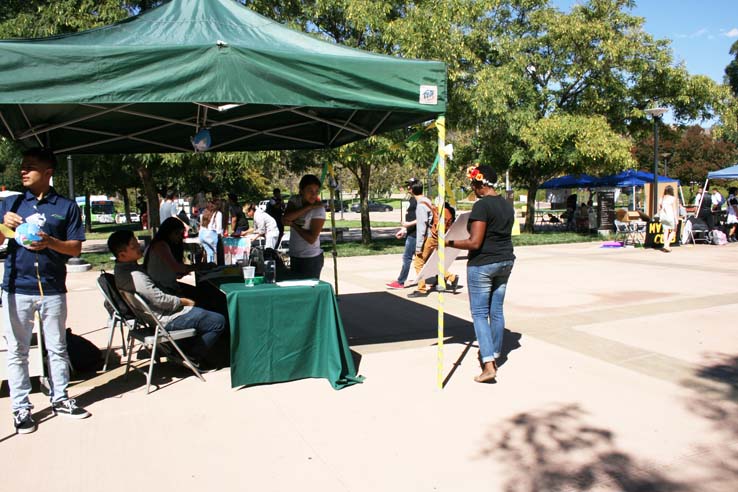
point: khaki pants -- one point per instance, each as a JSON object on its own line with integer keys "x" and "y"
{"x": 419, "y": 261}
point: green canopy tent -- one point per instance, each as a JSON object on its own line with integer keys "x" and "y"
{"x": 151, "y": 82}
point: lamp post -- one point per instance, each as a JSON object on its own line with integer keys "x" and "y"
{"x": 656, "y": 114}
{"x": 665, "y": 156}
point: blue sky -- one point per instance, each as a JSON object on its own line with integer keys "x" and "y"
{"x": 701, "y": 32}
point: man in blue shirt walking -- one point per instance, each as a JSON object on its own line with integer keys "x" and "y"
{"x": 35, "y": 282}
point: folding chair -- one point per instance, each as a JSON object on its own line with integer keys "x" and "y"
{"x": 623, "y": 232}
{"x": 119, "y": 312}
{"x": 639, "y": 231}
{"x": 152, "y": 334}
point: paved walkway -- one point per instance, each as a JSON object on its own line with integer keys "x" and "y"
{"x": 621, "y": 374}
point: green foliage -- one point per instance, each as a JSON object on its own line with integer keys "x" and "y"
{"x": 731, "y": 71}
{"x": 10, "y": 163}
{"x": 690, "y": 153}
{"x": 569, "y": 144}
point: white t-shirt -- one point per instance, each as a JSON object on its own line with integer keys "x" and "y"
{"x": 264, "y": 223}
{"x": 299, "y": 248}
{"x": 216, "y": 223}
{"x": 732, "y": 204}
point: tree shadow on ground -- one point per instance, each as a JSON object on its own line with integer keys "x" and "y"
{"x": 716, "y": 401}
{"x": 379, "y": 317}
{"x": 557, "y": 450}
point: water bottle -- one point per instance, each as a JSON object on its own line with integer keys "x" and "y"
{"x": 270, "y": 272}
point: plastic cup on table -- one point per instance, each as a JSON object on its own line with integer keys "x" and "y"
{"x": 248, "y": 275}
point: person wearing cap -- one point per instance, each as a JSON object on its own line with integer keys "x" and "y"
{"x": 490, "y": 264}
{"x": 427, "y": 242}
{"x": 35, "y": 283}
{"x": 408, "y": 231}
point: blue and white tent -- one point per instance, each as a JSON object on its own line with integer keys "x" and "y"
{"x": 727, "y": 173}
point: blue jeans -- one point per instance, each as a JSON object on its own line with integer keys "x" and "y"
{"x": 208, "y": 325}
{"x": 407, "y": 258}
{"x": 487, "y": 284}
{"x": 209, "y": 242}
{"x": 18, "y": 316}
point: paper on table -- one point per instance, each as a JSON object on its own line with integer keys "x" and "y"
{"x": 298, "y": 283}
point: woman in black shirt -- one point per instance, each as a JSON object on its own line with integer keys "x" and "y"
{"x": 490, "y": 262}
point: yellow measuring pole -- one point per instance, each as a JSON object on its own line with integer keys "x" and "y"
{"x": 441, "y": 127}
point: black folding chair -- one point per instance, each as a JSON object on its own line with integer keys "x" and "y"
{"x": 153, "y": 335}
{"x": 118, "y": 310}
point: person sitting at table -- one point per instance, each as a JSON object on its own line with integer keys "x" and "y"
{"x": 264, "y": 225}
{"x": 174, "y": 312}
{"x": 305, "y": 215}
{"x": 164, "y": 259}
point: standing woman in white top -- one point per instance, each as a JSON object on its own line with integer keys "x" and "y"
{"x": 305, "y": 215}
{"x": 208, "y": 235}
{"x": 668, "y": 217}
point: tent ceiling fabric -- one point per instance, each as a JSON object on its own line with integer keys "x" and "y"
{"x": 147, "y": 84}
{"x": 730, "y": 172}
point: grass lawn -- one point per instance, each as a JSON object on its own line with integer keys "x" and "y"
{"x": 389, "y": 246}
{"x": 103, "y": 231}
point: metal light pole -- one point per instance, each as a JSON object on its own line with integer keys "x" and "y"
{"x": 70, "y": 173}
{"x": 665, "y": 156}
{"x": 656, "y": 114}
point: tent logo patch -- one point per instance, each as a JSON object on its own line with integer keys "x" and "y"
{"x": 428, "y": 94}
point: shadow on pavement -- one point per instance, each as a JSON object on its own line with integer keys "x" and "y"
{"x": 718, "y": 404}
{"x": 379, "y": 317}
{"x": 557, "y": 450}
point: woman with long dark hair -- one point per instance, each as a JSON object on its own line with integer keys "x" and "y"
{"x": 164, "y": 258}
{"x": 208, "y": 234}
{"x": 489, "y": 266}
{"x": 668, "y": 214}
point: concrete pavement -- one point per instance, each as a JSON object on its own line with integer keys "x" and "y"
{"x": 621, "y": 374}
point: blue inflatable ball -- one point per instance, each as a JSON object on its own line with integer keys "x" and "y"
{"x": 27, "y": 233}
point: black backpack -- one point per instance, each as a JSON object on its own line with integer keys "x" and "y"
{"x": 84, "y": 356}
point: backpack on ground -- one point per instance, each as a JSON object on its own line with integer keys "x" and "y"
{"x": 84, "y": 356}
{"x": 718, "y": 238}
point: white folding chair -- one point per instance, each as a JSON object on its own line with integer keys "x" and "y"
{"x": 153, "y": 335}
{"x": 624, "y": 233}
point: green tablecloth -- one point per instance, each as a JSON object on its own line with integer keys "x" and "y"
{"x": 286, "y": 333}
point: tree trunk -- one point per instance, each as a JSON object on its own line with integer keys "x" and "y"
{"x": 530, "y": 215}
{"x": 126, "y": 205}
{"x": 151, "y": 198}
{"x": 366, "y": 226}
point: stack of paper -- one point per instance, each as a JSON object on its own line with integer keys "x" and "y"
{"x": 298, "y": 283}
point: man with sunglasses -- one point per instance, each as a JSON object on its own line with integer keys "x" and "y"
{"x": 34, "y": 282}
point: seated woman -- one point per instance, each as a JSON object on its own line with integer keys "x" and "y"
{"x": 305, "y": 215}
{"x": 164, "y": 259}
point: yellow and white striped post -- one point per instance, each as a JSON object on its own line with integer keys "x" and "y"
{"x": 441, "y": 126}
